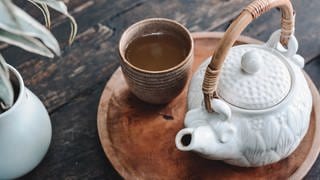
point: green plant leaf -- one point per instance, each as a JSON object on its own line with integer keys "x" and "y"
{"x": 6, "y": 90}
{"x": 28, "y": 43}
{"x": 62, "y": 8}
{"x": 16, "y": 21}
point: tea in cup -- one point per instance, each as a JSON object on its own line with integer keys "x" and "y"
{"x": 156, "y": 59}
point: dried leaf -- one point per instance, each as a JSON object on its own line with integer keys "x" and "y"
{"x": 45, "y": 12}
{"x": 28, "y": 43}
{"x": 62, "y": 8}
{"x": 16, "y": 21}
{"x": 6, "y": 90}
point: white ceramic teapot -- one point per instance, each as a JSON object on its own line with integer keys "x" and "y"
{"x": 257, "y": 103}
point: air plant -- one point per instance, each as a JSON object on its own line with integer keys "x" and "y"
{"x": 18, "y": 28}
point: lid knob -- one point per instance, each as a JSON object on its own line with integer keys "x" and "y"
{"x": 251, "y": 62}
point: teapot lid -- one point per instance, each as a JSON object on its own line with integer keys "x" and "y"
{"x": 254, "y": 77}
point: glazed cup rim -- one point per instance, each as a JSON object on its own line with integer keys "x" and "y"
{"x": 147, "y": 21}
{"x": 21, "y": 87}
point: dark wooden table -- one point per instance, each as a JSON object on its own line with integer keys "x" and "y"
{"x": 71, "y": 85}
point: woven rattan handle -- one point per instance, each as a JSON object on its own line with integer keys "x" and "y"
{"x": 254, "y": 10}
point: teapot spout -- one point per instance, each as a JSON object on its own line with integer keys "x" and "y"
{"x": 205, "y": 141}
{"x": 184, "y": 140}
{"x": 196, "y": 139}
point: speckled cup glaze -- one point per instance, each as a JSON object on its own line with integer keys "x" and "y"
{"x": 156, "y": 87}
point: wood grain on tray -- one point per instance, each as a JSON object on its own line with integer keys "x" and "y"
{"x": 138, "y": 138}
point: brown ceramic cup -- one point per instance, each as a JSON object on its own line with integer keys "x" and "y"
{"x": 156, "y": 87}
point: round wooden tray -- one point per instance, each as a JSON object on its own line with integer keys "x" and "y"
{"x": 138, "y": 138}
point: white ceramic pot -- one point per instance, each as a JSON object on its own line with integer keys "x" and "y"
{"x": 257, "y": 102}
{"x": 263, "y": 109}
{"x": 25, "y": 132}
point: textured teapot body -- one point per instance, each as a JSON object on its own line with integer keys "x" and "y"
{"x": 25, "y": 134}
{"x": 248, "y": 137}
